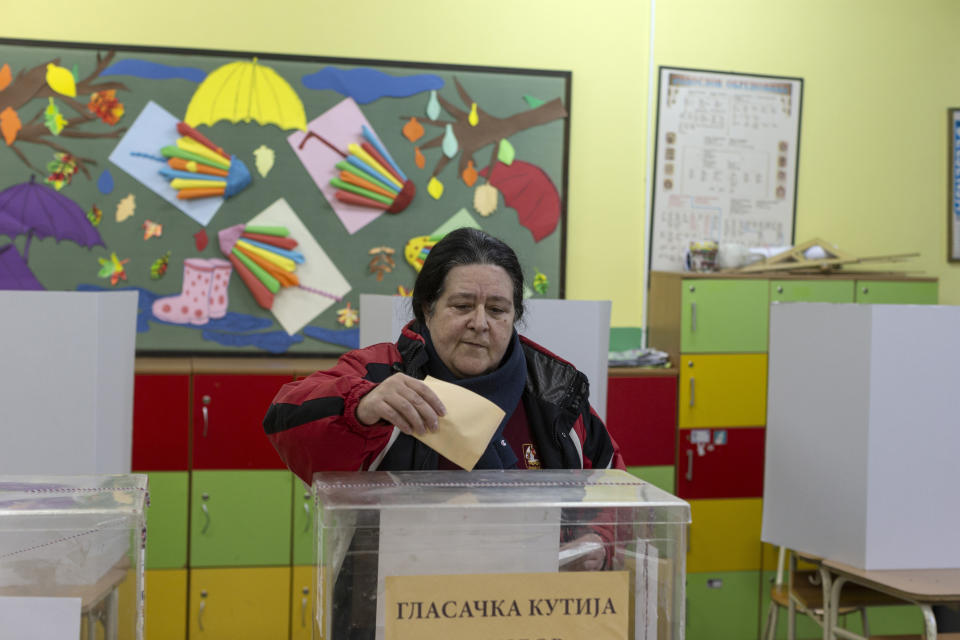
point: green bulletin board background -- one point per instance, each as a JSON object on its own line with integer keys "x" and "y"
{"x": 247, "y": 328}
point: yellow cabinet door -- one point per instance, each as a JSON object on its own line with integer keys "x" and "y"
{"x": 165, "y": 607}
{"x": 722, "y": 390}
{"x": 240, "y": 604}
{"x": 725, "y": 535}
{"x": 303, "y": 604}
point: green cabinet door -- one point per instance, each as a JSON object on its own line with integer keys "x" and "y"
{"x": 724, "y": 316}
{"x": 896, "y": 292}
{"x": 304, "y": 524}
{"x": 167, "y": 520}
{"x": 811, "y": 290}
{"x": 723, "y": 605}
{"x": 240, "y": 518}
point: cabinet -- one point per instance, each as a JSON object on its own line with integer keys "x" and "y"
{"x": 642, "y": 414}
{"x": 161, "y": 415}
{"x": 716, "y": 328}
{"x": 228, "y": 412}
{"x": 240, "y": 518}
{"x": 165, "y": 613}
{"x": 240, "y": 604}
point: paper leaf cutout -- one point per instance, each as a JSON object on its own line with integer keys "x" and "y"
{"x": 435, "y": 188}
{"x": 61, "y": 80}
{"x": 433, "y": 106}
{"x": 95, "y": 216}
{"x": 106, "y": 106}
{"x": 200, "y": 239}
{"x": 540, "y": 282}
{"x": 506, "y": 153}
{"x": 159, "y": 267}
{"x": 413, "y": 130}
{"x": 5, "y": 76}
{"x": 264, "y": 157}
{"x": 9, "y": 125}
{"x": 347, "y": 316}
{"x": 449, "y": 144}
{"x": 485, "y": 199}
{"x": 113, "y": 268}
{"x": 152, "y": 229}
{"x": 474, "y": 117}
{"x": 528, "y": 190}
{"x": 53, "y": 119}
{"x": 418, "y": 158}
{"x": 532, "y": 102}
{"x": 469, "y": 174}
{"x": 126, "y": 207}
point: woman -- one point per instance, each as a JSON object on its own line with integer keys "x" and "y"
{"x": 467, "y": 299}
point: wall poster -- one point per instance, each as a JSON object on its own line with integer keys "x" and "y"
{"x": 953, "y": 198}
{"x": 725, "y": 169}
{"x": 250, "y": 198}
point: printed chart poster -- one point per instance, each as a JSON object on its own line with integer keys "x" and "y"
{"x": 726, "y": 162}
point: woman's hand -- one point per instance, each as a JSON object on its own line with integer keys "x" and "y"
{"x": 404, "y": 402}
{"x": 590, "y": 553}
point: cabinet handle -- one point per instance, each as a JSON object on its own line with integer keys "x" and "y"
{"x": 779, "y": 289}
{"x": 303, "y": 607}
{"x": 693, "y": 317}
{"x": 693, "y": 389}
{"x": 306, "y": 508}
{"x": 203, "y": 605}
{"x": 206, "y": 414}
{"x": 865, "y": 290}
{"x": 206, "y": 512}
{"x": 689, "y": 474}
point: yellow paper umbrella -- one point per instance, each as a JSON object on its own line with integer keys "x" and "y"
{"x": 245, "y": 91}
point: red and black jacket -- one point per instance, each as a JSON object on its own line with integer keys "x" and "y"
{"x": 313, "y": 426}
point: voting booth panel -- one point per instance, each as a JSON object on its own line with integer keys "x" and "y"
{"x": 559, "y": 553}
{"x": 861, "y": 449}
{"x": 576, "y": 330}
{"x": 71, "y": 548}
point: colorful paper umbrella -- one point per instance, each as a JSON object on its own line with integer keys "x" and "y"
{"x": 245, "y": 91}
{"x": 198, "y": 168}
{"x": 265, "y": 258}
{"x": 44, "y": 212}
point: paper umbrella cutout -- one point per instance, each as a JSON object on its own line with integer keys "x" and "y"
{"x": 200, "y": 169}
{"x": 368, "y": 176}
{"x": 266, "y": 259}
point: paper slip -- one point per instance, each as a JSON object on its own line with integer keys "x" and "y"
{"x": 464, "y": 433}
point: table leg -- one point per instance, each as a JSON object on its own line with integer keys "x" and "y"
{"x": 929, "y": 622}
{"x": 833, "y": 607}
{"x": 825, "y": 583}
{"x": 111, "y": 615}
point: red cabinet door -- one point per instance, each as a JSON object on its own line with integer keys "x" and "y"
{"x": 228, "y": 415}
{"x": 161, "y": 422}
{"x": 721, "y": 463}
{"x": 642, "y": 418}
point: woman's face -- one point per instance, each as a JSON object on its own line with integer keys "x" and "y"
{"x": 472, "y": 321}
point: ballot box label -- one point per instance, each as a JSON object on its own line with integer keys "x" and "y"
{"x": 515, "y": 606}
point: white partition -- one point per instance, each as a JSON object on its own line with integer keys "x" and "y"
{"x": 863, "y": 434}
{"x": 66, "y": 381}
{"x": 576, "y": 330}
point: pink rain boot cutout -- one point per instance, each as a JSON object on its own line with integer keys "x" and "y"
{"x": 193, "y": 304}
{"x": 218, "y": 290}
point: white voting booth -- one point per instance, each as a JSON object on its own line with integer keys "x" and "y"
{"x": 66, "y": 381}
{"x": 576, "y": 330}
{"x": 863, "y": 434}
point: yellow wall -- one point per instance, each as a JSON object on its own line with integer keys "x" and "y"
{"x": 879, "y": 76}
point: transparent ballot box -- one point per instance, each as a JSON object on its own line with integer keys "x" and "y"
{"x": 498, "y": 555}
{"x": 71, "y": 556}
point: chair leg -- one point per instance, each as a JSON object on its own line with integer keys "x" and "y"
{"x": 770, "y": 628}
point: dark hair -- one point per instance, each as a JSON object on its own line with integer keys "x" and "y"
{"x": 462, "y": 247}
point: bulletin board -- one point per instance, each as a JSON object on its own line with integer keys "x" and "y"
{"x": 727, "y": 151}
{"x": 251, "y": 198}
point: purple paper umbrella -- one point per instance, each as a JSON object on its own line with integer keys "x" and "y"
{"x": 14, "y": 272}
{"x": 35, "y": 209}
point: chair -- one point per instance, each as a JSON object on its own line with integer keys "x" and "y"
{"x": 803, "y": 593}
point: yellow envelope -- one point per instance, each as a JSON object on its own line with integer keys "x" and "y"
{"x": 464, "y": 433}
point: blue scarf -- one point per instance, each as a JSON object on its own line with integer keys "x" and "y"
{"x": 503, "y": 386}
